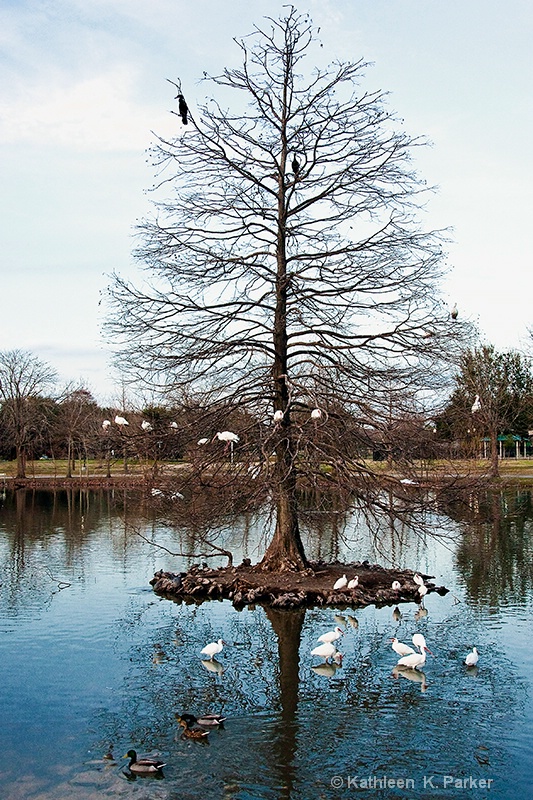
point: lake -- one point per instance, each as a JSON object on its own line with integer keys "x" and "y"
{"x": 93, "y": 663}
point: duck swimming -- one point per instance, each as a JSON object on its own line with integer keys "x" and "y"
{"x": 191, "y": 733}
{"x": 205, "y": 720}
{"x": 144, "y": 766}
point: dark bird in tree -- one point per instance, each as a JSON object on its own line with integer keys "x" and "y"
{"x": 295, "y": 166}
{"x": 454, "y": 312}
{"x": 183, "y": 108}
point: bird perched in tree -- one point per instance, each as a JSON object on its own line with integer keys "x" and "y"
{"x": 278, "y": 415}
{"x": 295, "y": 166}
{"x": 454, "y": 313}
{"x": 106, "y": 424}
{"x": 202, "y": 441}
{"x": 145, "y": 425}
{"x": 183, "y": 108}
{"x": 476, "y": 406}
{"x": 316, "y": 414}
{"x": 121, "y": 421}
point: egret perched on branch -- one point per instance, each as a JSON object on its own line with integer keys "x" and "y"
{"x": 121, "y": 421}
{"x": 202, "y": 441}
{"x": 173, "y": 424}
{"x": 145, "y": 425}
{"x": 316, "y": 414}
{"x": 476, "y": 405}
{"x": 278, "y": 415}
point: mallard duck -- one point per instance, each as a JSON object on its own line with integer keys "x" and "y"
{"x": 144, "y": 766}
{"x": 205, "y": 720}
{"x": 191, "y": 733}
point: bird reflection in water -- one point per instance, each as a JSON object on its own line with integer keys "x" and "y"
{"x": 328, "y": 670}
{"x": 212, "y": 665}
{"x": 411, "y": 674}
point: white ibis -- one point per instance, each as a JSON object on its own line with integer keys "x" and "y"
{"x": 202, "y": 441}
{"x": 414, "y": 660}
{"x": 173, "y": 424}
{"x": 106, "y": 424}
{"x": 121, "y": 421}
{"x": 419, "y": 641}
{"x": 229, "y": 437}
{"x": 396, "y": 586}
{"x": 278, "y": 415}
{"x": 316, "y": 414}
{"x": 340, "y": 583}
{"x": 326, "y": 651}
{"x": 331, "y": 636}
{"x": 213, "y": 648}
{"x": 400, "y": 648}
{"x": 422, "y": 591}
{"x": 472, "y": 658}
{"x": 145, "y": 425}
{"x": 418, "y": 579}
{"x": 354, "y": 583}
{"x": 476, "y": 405}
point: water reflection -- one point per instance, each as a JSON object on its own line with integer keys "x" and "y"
{"x": 103, "y": 666}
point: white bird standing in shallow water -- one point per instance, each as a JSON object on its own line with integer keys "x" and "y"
{"x": 415, "y": 660}
{"x": 341, "y": 583}
{"x": 331, "y": 636}
{"x": 325, "y": 651}
{"x": 400, "y": 648}
{"x": 419, "y": 641}
{"x": 213, "y": 648}
{"x": 472, "y": 658}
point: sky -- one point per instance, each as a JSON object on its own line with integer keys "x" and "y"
{"x": 84, "y": 86}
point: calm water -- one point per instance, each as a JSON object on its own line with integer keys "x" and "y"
{"x": 92, "y": 659}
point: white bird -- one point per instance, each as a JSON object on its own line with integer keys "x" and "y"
{"x": 213, "y": 648}
{"x": 157, "y": 492}
{"x": 331, "y": 636}
{"x": 414, "y": 660}
{"x": 341, "y": 583}
{"x": 325, "y": 651}
{"x": 145, "y": 425}
{"x": 400, "y": 648}
{"x": 121, "y": 421}
{"x": 354, "y": 583}
{"x": 316, "y": 413}
{"x": 202, "y": 441}
{"x": 177, "y": 496}
{"x": 476, "y": 405}
{"x": 226, "y": 436}
{"x": 173, "y": 424}
{"x": 422, "y": 591}
{"x": 106, "y": 424}
{"x": 278, "y": 415}
{"x": 472, "y": 658}
{"x": 396, "y": 586}
{"x": 419, "y": 641}
{"x": 418, "y": 579}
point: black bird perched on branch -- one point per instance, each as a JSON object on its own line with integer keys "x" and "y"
{"x": 295, "y": 166}
{"x": 183, "y": 108}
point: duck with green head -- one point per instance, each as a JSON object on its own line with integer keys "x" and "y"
{"x": 144, "y": 766}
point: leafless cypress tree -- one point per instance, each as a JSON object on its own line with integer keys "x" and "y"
{"x": 289, "y": 272}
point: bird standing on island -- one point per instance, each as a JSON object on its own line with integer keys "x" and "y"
{"x": 396, "y": 586}
{"x": 354, "y": 583}
{"x": 341, "y": 583}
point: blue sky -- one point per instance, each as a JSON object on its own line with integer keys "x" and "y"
{"x": 84, "y": 85}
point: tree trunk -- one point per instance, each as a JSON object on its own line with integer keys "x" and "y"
{"x": 494, "y": 457}
{"x": 21, "y": 462}
{"x": 285, "y": 552}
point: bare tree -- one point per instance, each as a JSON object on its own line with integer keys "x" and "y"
{"x": 23, "y": 380}
{"x": 289, "y": 272}
{"x": 493, "y": 395}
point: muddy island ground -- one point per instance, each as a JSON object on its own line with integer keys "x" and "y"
{"x": 247, "y": 585}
